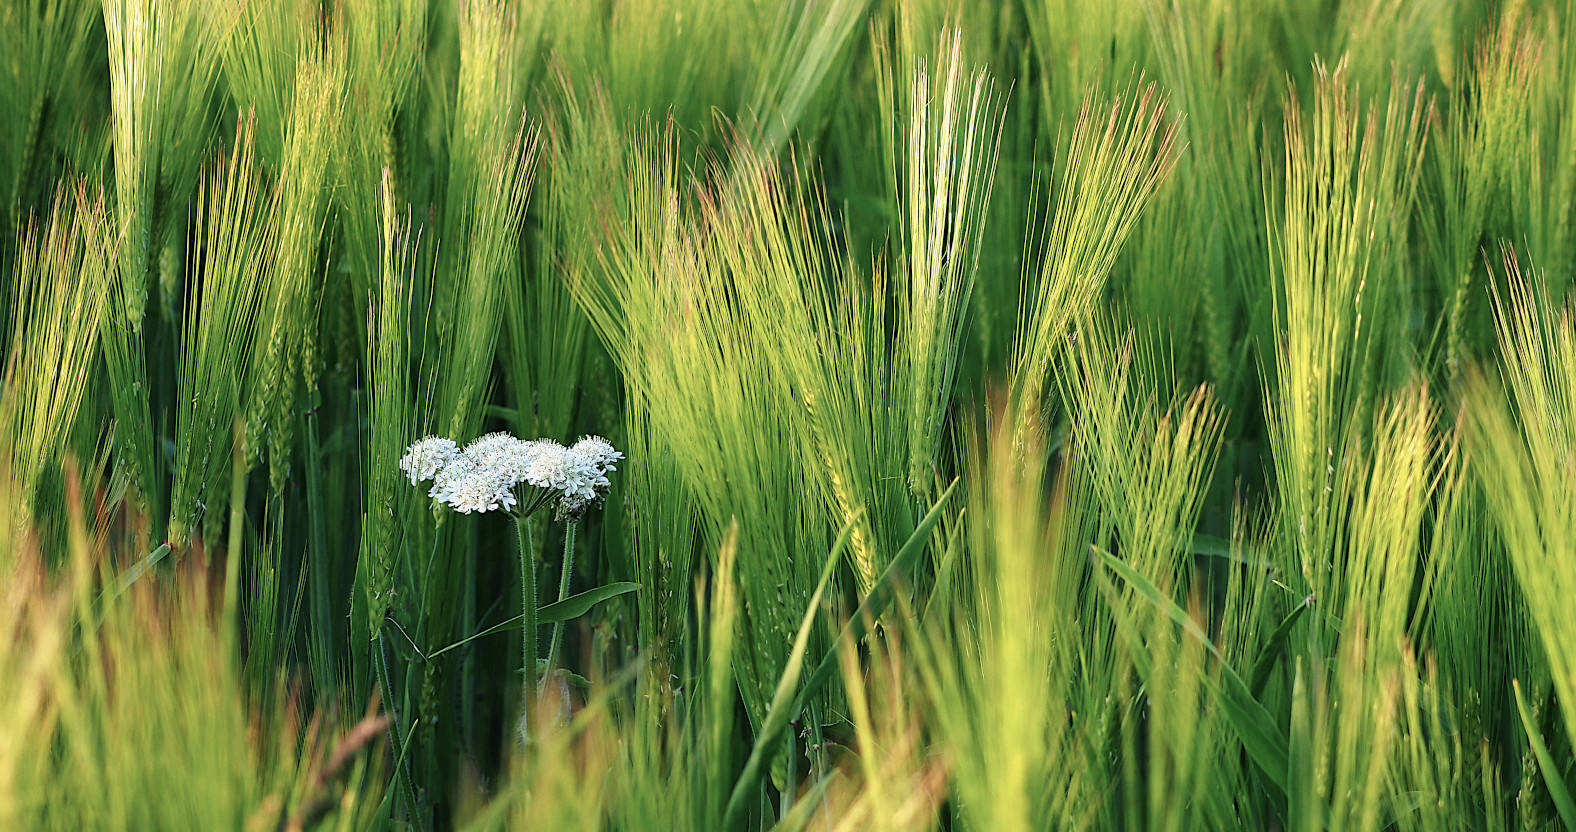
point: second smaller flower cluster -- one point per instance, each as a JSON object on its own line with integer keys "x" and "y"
{"x": 483, "y": 475}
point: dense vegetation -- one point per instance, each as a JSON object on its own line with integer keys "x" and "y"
{"x": 1041, "y": 414}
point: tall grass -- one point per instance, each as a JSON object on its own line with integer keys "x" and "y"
{"x": 1106, "y": 415}
{"x": 62, "y": 289}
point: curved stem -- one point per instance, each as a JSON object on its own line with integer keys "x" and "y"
{"x": 557, "y": 642}
{"x": 528, "y": 629}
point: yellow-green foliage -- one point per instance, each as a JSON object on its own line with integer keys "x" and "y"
{"x": 1038, "y": 414}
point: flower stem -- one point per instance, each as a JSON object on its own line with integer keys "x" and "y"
{"x": 563, "y": 592}
{"x": 528, "y": 631}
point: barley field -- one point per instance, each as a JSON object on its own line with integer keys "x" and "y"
{"x": 787, "y": 414}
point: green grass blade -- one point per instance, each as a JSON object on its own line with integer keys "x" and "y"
{"x": 1552, "y": 778}
{"x": 1254, "y": 725}
{"x": 783, "y": 698}
{"x": 1272, "y": 650}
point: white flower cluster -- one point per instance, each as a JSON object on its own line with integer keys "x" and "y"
{"x": 483, "y": 476}
{"x": 423, "y": 460}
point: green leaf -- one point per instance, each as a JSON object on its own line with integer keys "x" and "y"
{"x": 572, "y": 607}
{"x": 1257, "y": 730}
{"x": 569, "y": 676}
{"x": 1558, "y": 793}
{"x": 507, "y": 414}
{"x": 135, "y": 572}
{"x": 871, "y": 608}
{"x": 880, "y": 596}
{"x": 1272, "y": 650}
{"x": 778, "y": 714}
{"x": 805, "y": 809}
{"x": 577, "y": 605}
{"x": 1209, "y": 546}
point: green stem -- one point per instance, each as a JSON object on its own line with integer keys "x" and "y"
{"x": 557, "y": 642}
{"x": 528, "y": 628}
{"x": 401, "y": 771}
{"x": 232, "y": 561}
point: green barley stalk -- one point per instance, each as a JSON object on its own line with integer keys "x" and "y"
{"x": 389, "y": 418}
{"x": 237, "y": 233}
{"x": 1519, "y": 434}
{"x": 1117, "y": 156}
{"x": 163, "y": 61}
{"x": 384, "y": 43}
{"x": 953, "y": 136}
{"x": 1350, "y": 176}
{"x": 49, "y": 45}
{"x": 294, "y": 291}
{"x": 62, "y": 290}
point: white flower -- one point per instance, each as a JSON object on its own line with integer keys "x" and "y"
{"x": 424, "y": 459}
{"x": 588, "y": 464}
{"x": 599, "y": 451}
{"x": 467, "y": 487}
{"x": 505, "y": 453}
{"x": 570, "y": 470}
{"x": 482, "y": 477}
{"x": 549, "y": 466}
{"x": 584, "y": 479}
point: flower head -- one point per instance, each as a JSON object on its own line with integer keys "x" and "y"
{"x": 467, "y": 487}
{"x": 549, "y": 466}
{"x": 482, "y": 477}
{"x": 424, "y": 459}
{"x": 505, "y": 453}
{"x": 570, "y": 470}
{"x": 598, "y": 451}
